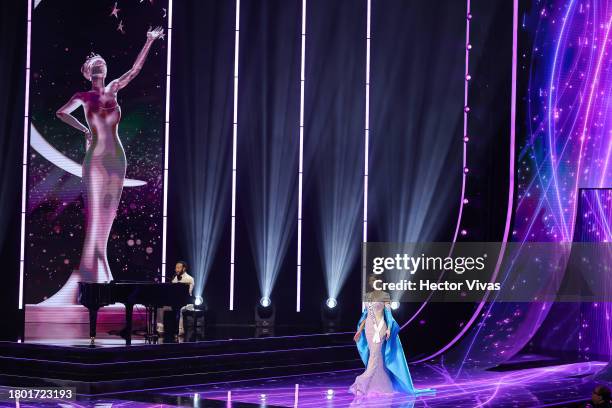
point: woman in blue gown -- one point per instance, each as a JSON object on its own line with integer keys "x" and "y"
{"x": 381, "y": 350}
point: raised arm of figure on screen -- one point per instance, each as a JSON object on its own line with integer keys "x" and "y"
{"x": 123, "y": 80}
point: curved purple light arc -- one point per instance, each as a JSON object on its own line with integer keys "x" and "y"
{"x": 481, "y": 305}
{"x": 551, "y": 157}
{"x": 565, "y": 233}
{"x": 464, "y": 160}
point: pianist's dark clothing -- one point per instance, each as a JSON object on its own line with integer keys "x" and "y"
{"x": 185, "y": 279}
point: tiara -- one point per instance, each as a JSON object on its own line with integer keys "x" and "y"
{"x": 92, "y": 55}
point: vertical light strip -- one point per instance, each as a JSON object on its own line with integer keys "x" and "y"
{"x": 466, "y": 110}
{"x": 24, "y": 160}
{"x": 301, "y": 162}
{"x": 367, "y": 125}
{"x": 366, "y": 141}
{"x": 234, "y": 153}
{"x": 166, "y": 143}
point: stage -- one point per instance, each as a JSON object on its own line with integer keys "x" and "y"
{"x": 559, "y": 386}
{"x": 566, "y": 385}
{"x": 311, "y": 370}
{"x": 114, "y": 367}
{"x": 242, "y": 203}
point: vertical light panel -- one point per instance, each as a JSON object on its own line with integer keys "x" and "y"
{"x": 366, "y": 139}
{"x": 301, "y": 162}
{"x": 166, "y": 143}
{"x": 234, "y": 153}
{"x": 366, "y": 142}
{"x": 24, "y": 161}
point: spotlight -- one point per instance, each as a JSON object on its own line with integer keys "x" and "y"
{"x": 395, "y": 305}
{"x": 330, "y": 314}
{"x": 198, "y": 303}
{"x": 265, "y": 301}
{"x": 330, "y": 394}
{"x": 265, "y": 313}
{"x": 194, "y": 319}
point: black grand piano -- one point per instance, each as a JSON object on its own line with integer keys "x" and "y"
{"x": 150, "y": 294}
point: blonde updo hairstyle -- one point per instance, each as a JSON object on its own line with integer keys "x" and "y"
{"x": 92, "y": 60}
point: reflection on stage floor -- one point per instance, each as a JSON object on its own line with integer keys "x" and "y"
{"x": 567, "y": 385}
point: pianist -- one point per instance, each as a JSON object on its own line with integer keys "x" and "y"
{"x": 180, "y": 276}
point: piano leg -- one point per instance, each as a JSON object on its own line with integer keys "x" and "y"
{"x": 153, "y": 326}
{"x": 128, "y": 324}
{"x": 155, "y": 309}
{"x": 151, "y": 334}
{"x": 93, "y": 320}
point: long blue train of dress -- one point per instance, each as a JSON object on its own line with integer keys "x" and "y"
{"x": 393, "y": 356}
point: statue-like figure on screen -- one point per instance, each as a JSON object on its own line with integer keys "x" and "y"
{"x": 103, "y": 167}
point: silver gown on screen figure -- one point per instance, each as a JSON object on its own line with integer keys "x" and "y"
{"x": 103, "y": 167}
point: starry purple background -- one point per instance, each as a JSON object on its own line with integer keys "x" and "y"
{"x": 64, "y": 32}
{"x": 564, "y": 144}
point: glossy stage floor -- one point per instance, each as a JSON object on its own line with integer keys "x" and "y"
{"x": 568, "y": 385}
{"x": 241, "y": 367}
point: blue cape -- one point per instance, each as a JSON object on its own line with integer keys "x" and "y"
{"x": 393, "y": 356}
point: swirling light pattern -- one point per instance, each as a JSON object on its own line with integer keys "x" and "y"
{"x": 585, "y": 326}
{"x": 567, "y": 142}
{"x": 537, "y": 387}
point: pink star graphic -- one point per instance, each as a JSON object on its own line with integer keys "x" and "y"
{"x": 120, "y": 27}
{"x": 115, "y": 11}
